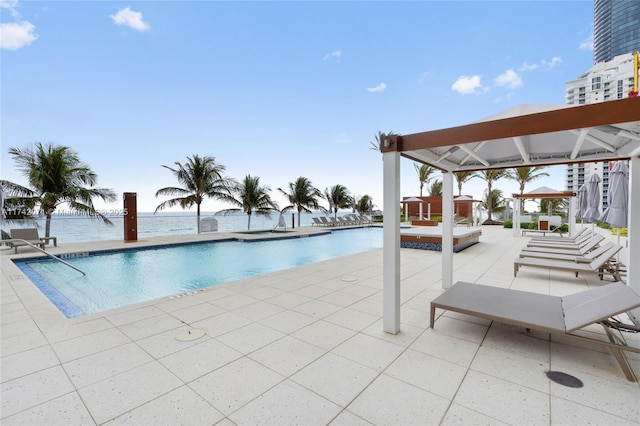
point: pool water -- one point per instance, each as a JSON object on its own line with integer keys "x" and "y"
{"x": 126, "y": 277}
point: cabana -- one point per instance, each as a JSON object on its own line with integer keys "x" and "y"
{"x": 526, "y": 135}
{"x": 544, "y": 222}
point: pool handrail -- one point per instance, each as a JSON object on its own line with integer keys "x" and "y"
{"x": 48, "y": 254}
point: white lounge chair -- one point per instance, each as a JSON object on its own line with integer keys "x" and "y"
{"x": 576, "y": 251}
{"x": 598, "y": 265}
{"x": 550, "y": 314}
{"x": 585, "y": 258}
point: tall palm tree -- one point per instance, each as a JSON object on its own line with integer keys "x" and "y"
{"x": 424, "y": 174}
{"x": 462, "y": 177}
{"x": 302, "y": 196}
{"x": 200, "y": 177}
{"x": 490, "y": 176}
{"x": 251, "y": 197}
{"x": 435, "y": 190}
{"x": 363, "y": 204}
{"x": 56, "y": 175}
{"x": 338, "y": 197}
{"x": 524, "y": 175}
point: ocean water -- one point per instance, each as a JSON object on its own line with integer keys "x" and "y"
{"x": 71, "y": 228}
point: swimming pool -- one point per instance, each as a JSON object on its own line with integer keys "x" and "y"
{"x": 124, "y": 277}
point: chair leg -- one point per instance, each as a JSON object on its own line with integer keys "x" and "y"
{"x": 624, "y": 364}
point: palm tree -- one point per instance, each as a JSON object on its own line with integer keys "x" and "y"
{"x": 462, "y": 177}
{"x": 524, "y": 175}
{"x": 495, "y": 202}
{"x": 56, "y": 175}
{"x": 363, "y": 204}
{"x": 553, "y": 205}
{"x": 490, "y": 176}
{"x": 424, "y": 174}
{"x": 302, "y": 196}
{"x": 435, "y": 190}
{"x": 338, "y": 197}
{"x": 250, "y": 197}
{"x": 378, "y": 140}
{"x": 200, "y": 177}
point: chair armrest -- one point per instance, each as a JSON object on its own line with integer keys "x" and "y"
{"x": 55, "y": 240}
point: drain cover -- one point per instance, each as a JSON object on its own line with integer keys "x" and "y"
{"x": 564, "y": 379}
{"x": 349, "y": 279}
{"x": 188, "y": 335}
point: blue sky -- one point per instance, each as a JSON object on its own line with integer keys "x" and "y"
{"x": 273, "y": 89}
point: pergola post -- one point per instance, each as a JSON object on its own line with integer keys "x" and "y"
{"x": 447, "y": 229}
{"x": 391, "y": 243}
{"x": 515, "y": 220}
{"x": 633, "y": 235}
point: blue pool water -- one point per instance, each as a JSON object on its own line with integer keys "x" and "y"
{"x": 119, "y": 278}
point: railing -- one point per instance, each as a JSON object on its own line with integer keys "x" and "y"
{"x": 42, "y": 251}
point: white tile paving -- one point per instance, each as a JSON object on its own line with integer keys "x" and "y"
{"x": 305, "y": 346}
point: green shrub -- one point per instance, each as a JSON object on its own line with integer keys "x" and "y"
{"x": 508, "y": 224}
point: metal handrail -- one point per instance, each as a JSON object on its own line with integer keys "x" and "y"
{"x": 48, "y": 254}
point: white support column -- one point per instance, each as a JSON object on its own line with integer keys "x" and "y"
{"x": 515, "y": 220}
{"x": 447, "y": 229}
{"x": 391, "y": 243}
{"x": 571, "y": 219}
{"x": 633, "y": 270}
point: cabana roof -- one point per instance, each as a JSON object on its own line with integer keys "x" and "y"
{"x": 529, "y": 135}
{"x": 545, "y": 192}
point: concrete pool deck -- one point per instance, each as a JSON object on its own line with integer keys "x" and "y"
{"x": 306, "y": 346}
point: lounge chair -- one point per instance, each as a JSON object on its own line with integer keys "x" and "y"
{"x": 581, "y": 241}
{"x": 599, "y": 264}
{"x": 325, "y": 221}
{"x": 549, "y": 314}
{"x": 317, "y": 222}
{"x": 29, "y": 236}
{"x": 573, "y": 250}
{"x": 334, "y": 222}
{"x": 586, "y": 257}
{"x": 562, "y": 238}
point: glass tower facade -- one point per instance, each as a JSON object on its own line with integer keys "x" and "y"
{"x": 616, "y": 28}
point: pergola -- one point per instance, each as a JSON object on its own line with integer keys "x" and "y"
{"x": 526, "y": 135}
{"x": 542, "y": 193}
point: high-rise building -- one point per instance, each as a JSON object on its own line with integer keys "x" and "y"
{"x": 603, "y": 82}
{"x": 616, "y": 28}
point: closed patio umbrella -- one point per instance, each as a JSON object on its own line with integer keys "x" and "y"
{"x": 617, "y": 211}
{"x": 582, "y": 203}
{"x": 592, "y": 213}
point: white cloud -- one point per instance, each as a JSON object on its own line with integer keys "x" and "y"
{"x": 587, "y": 44}
{"x": 528, "y": 67}
{"x": 379, "y": 88}
{"x": 509, "y": 79}
{"x": 11, "y": 6}
{"x": 131, "y": 19}
{"x": 424, "y": 76}
{"x": 334, "y": 54}
{"x": 552, "y": 63}
{"x": 467, "y": 85}
{"x": 15, "y": 35}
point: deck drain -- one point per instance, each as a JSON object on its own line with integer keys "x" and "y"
{"x": 564, "y": 379}
{"x": 349, "y": 279}
{"x": 189, "y": 335}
